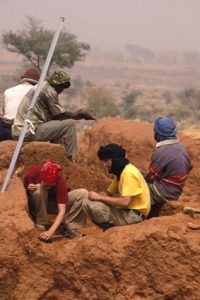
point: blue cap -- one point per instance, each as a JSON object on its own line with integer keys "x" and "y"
{"x": 165, "y": 128}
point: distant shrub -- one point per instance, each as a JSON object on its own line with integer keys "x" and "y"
{"x": 102, "y": 101}
{"x": 167, "y": 96}
{"x": 130, "y": 98}
{"x": 76, "y": 87}
{"x": 186, "y": 94}
{"x": 128, "y": 104}
{"x": 181, "y": 114}
{"x": 188, "y": 105}
{"x": 149, "y": 113}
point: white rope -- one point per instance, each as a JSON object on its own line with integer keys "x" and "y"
{"x": 31, "y": 127}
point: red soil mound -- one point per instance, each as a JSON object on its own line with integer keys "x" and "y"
{"x": 137, "y": 139}
{"x": 156, "y": 259}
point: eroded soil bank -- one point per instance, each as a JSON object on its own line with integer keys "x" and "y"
{"x": 157, "y": 259}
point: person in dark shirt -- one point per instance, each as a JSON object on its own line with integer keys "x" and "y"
{"x": 169, "y": 167}
{"x": 47, "y": 192}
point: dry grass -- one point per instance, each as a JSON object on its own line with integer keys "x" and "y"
{"x": 192, "y": 133}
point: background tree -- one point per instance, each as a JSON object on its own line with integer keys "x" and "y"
{"x": 33, "y": 43}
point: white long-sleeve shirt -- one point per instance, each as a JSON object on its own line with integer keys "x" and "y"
{"x": 13, "y": 97}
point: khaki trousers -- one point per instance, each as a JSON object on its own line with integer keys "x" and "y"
{"x": 100, "y": 213}
{"x": 39, "y": 207}
{"x": 58, "y": 132}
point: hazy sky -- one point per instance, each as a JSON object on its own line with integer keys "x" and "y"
{"x": 156, "y": 24}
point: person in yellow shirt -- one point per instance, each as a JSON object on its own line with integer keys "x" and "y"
{"x": 127, "y": 200}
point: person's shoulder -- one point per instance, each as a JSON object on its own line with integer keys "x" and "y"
{"x": 61, "y": 181}
{"x": 47, "y": 87}
{"x": 47, "y": 91}
{"x": 13, "y": 88}
{"x": 61, "y": 177}
{"x": 34, "y": 168}
{"x": 18, "y": 88}
{"x": 130, "y": 169}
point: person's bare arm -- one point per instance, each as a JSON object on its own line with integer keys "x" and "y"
{"x": 114, "y": 201}
{"x": 46, "y": 235}
{"x": 78, "y": 115}
{"x": 33, "y": 187}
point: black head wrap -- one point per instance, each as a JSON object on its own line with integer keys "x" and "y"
{"x": 117, "y": 154}
{"x": 110, "y": 151}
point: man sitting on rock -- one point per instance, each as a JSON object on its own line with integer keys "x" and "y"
{"x": 47, "y": 193}
{"x": 49, "y": 121}
{"x": 169, "y": 168}
{"x": 12, "y": 99}
{"x": 127, "y": 200}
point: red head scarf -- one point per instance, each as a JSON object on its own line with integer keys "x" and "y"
{"x": 50, "y": 172}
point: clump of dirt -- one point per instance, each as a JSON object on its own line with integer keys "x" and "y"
{"x": 155, "y": 260}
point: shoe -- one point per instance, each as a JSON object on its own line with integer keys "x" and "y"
{"x": 42, "y": 227}
{"x": 105, "y": 226}
{"x": 70, "y": 233}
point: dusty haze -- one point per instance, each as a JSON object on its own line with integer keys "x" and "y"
{"x": 111, "y": 24}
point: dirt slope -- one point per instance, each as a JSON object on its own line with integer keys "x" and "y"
{"x": 137, "y": 139}
{"x": 155, "y": 260}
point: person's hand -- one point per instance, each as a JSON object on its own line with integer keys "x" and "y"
{"x": 46, "y": 235}
{"x": 94, "y": 196}
{"x": 33, "y": 187}
{"x": 83, "y": 114}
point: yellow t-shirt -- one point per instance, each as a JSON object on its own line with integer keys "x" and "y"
{"x": 132, "y": 184}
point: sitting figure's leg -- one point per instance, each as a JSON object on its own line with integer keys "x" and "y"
{"x": 75, "y": 216}
{"x": 157, "y": 201}
{"x": 38, "y": 207}
{"x": 59, "y": 132}
{"x": 154, "y": 211}
{"x": 5, "y": 132}
{"x": 98, "y": 213}
{"x": 107, "y": 216}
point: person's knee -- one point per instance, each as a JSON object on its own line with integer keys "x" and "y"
{"x": 70, "y": 123}
{"x": 83, "y": 193}
{"x": 85, "y": 204}
{"x": 96, "y": 210}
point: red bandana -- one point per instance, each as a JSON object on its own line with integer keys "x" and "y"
{"x": 50, "y": 172}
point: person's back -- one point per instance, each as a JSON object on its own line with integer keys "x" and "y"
{"x": 172, "y": 165}
{"x": 169, "y": 168}
{"x": 132, "y": 182}
{"x": 12, "y": 99}
{"x": 14, "y": 95}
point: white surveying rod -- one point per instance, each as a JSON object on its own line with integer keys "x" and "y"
{"x": 37, "y": 91}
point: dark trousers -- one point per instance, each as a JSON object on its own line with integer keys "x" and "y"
{"x": 157, "y": 201}
{"x": 5, "y": 131}
{"x": 154, "y": 211}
